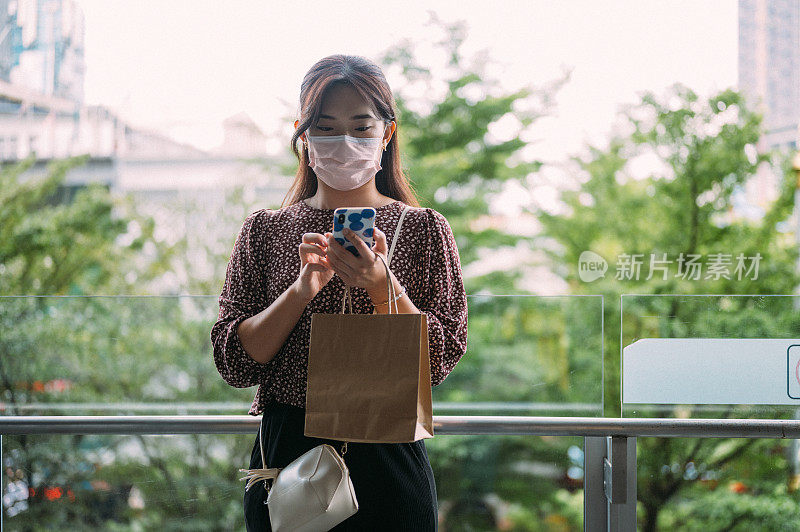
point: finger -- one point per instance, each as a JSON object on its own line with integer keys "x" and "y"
{"x": 319, "y": 260}
{"x": 340, "y": 258}
{"x": 314, "y": 238}
{"x": 380, "y": 241}
{"x": 311, "y": 248}
{"x": 315, "y": 267}
{"x": 328, "y": 239}
{"x": 338, "y": 263}
{"x": 361, "y": 246}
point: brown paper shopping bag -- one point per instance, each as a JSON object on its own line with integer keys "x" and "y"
{"x": 369, "y": 376}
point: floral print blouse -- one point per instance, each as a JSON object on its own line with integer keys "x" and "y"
{"x": 265, "y": 262}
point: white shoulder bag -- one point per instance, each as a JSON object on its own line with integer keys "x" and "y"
{"x": 313, "y": 493}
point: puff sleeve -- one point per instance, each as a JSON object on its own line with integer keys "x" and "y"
{"x": 243, "y": 296}
{"x": 445, "y": 301}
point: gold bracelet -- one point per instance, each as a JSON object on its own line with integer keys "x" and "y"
{"x": 398, "y": 296}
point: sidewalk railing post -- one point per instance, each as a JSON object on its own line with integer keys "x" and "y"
{"x": 619, "y": 474}
{"x": 609, "y": 483}
{"x": 595, "y": 507}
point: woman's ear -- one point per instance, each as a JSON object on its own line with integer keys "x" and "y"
{"x": 389, "y": 132}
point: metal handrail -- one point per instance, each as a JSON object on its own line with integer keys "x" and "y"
{"x": 497, "y": 425}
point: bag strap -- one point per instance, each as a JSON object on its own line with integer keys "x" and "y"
{"x": 265, "y": 474}
{"x": 397, "y": 232}
{"x": 389, "y": 288}
{"x": 347, "y": 298}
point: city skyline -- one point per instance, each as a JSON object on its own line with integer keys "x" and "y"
{"x": 769, "y": 77}
{"x": 769, "y": 66}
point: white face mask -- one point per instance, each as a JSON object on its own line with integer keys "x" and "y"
{"x": 344, "y": 162}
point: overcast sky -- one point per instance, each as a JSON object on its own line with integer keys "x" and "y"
{"x": 184, "y": 66}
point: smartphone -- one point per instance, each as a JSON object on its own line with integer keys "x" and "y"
{"x": 360, "y": 220}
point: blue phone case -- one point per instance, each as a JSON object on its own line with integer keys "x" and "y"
{"x": 360, "y": 220}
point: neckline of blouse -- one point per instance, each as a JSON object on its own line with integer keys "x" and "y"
{"x": 377, "y": 209}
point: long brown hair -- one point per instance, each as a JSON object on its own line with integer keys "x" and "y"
{"x": 367, "y": 78}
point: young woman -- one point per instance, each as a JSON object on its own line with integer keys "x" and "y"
{"x": 286, "y": 265}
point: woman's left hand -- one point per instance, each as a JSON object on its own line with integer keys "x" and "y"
{"x": 366, "y": 270}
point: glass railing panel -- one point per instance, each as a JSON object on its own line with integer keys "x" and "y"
{"x": 110, "y": 355}
{"x": 121, "y": 355}
{"x": 191, "y": 482}
{"x": 710, "y": 355}
{"x": 720, "y": 356}
{"x": 528, "y": 355}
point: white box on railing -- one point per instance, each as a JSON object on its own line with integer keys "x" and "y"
{"x": 688, "y": 371}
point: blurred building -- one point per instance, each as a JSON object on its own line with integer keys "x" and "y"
{"x": 53, "y": 127}
{"x": 769, "y": 76}
{"x": 42, "y": 47}
{"x": 43, "y": 114}
{"x": 6, "y": 36}
{"x": 242, "y": 137}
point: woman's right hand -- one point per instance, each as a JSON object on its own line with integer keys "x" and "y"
{"x": 315, "y": 271}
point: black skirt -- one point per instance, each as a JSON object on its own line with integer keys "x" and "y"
{"x": 393, "y": 482}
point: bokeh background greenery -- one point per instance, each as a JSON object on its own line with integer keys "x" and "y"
{"x": 81, "y": 331}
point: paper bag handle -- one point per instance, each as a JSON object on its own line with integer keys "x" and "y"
{"x": 389, "y": 289}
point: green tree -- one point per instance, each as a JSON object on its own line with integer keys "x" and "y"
{"x": 104, "y": 350}
{"x": 705, "y": 150}
{"x": 55, "y": 248}
{"x": 453, "y": 161}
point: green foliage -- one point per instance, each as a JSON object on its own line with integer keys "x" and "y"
{"x": 94, "y": 352}
{"x": 706, "y": 151}
{"x": 451, "y": 159}
{"x": 723, "y": 509}
{"x": 48, "y": 247}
